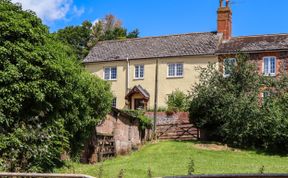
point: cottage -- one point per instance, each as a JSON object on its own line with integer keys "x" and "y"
{"x": 144, "y": 71}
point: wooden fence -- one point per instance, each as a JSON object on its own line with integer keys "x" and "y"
{"x": 178, "y": 131}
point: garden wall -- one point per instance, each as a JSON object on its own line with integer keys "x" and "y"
{"x": 118, "y": 134}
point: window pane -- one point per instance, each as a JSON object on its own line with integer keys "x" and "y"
{"x": 179, "y": 70}
{"x": 141, "y": 71}
{"x": 228, "y": 64}
{"x": 171, "y": 69}
{"x": 136, "y": 71}
{"x": 272, "y": 65}
{"x": 113, "y": 73}
{"x": 266, "y": 65}
{"x": 107, "y": 73}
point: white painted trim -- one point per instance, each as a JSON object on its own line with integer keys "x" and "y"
{"x": 139, "y": 78}
{"x": 175, "y": 76}
{"x": 110, "y": 73}
{"x": 263, "y": 66}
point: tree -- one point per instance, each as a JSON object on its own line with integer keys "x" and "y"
{"x": 77, "y": 37}
{"x": 230, "y": 108}
{"x": 48, "y": 103}
{"x": 110, "y": 28}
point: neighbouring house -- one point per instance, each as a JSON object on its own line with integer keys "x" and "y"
{"x": 144, "y": 71}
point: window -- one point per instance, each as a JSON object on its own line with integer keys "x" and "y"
{"x": 139, "y": 72}
{"x": 228, "y": 64}
{"x": 269, "y": 66}
{"x": 110, "y": 73}
{"x": 114, "y": 102}
{"x": 175, "y": 70}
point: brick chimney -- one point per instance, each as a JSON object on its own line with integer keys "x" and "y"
{"x": 224, "y": 22}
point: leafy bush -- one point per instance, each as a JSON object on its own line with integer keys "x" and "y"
{"x": 145, "y": 122}
{"x": 48, "y": 103}
{"x": 230, "y": 108}
{"x": 177, "y": 101}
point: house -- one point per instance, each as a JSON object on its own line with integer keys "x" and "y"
{"x": 144, "y": 71}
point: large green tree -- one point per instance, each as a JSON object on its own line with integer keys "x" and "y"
{"x": 83, "y": 37}
{"x": 77, "y": 37}
{"x": 48, "y": 103}
{"x": 231, "y": 110}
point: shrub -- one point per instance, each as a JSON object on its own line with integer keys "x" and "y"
{"x": 177, "y": 101}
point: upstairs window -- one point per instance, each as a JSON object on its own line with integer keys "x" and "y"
{"x": 139, "y": 72}
{"x": 175, "y": 70}
{"x": 110, "y": 73}
{"x": 269, "y": 66}
{"x": 228, "y": 64}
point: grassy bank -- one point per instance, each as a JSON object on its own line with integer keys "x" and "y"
{"x": 171, "y": 158}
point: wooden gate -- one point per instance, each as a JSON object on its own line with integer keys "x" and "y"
{"x": 178, "y": 131}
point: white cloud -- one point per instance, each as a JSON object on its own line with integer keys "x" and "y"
{"x": 51, "y": 10}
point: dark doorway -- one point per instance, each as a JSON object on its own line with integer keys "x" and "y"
{"x": 139, "y": 104}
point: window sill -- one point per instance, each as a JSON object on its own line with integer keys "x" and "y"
{"x": 174, "y": 77}
{"x": 269, "y": 75}
{"x": 138, "y": 78}
{"x": 112, "y": 80}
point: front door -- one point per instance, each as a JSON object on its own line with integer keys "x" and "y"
{"x": 139, "y": 104}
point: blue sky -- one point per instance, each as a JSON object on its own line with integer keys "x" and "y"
{"x": 163, "y": 17}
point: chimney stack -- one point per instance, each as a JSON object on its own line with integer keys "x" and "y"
{"x": 224, "y": 22}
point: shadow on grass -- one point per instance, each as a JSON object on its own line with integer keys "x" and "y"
{"x": 258, "y": 151}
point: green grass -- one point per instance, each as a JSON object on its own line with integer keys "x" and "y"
{"x": 171, "y": 158}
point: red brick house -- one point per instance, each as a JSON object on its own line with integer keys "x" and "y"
{"x": 269, "y": 52}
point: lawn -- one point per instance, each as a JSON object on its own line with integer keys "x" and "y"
{"x": 171, "y": 158}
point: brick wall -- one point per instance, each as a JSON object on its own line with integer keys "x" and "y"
{"x": 164, "y": 118}
{"x": 126, "y": 132}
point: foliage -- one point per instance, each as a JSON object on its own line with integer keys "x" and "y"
{"x": 48, "y": 103}
{"x": 77, "y": 37}
{"x": 169, "y": 158}
{"x": 145, "y": 122}
{"x": 191, "y": 166}
{"x": 109, "y": 28}
{"x": 177, "y": 101}
{"x": 231, "y": 110}
{"x": 261, "y": 170}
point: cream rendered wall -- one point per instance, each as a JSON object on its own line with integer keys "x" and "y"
{"x": 118, "y": 86}
{"x": 190, "y": 75}
{"x": 165, "y": 86}
{"x": 148, "y": 83}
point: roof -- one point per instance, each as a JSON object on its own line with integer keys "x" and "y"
{"x": 155, "y": 47}
{"x": 138, "y": 89}
{"x": 254, "y": 44}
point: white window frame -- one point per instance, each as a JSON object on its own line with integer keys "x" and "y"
{"x": 175, "y": 70}
{"x": 269, "y": 73}
{"x": 110, "y": 73}
{"x": 114, "y": 102}
{"x": 224, "y": 62}
{"x": 138, "y": 71}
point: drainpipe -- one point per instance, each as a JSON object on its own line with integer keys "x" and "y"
{"x": 156, "y": 96}
{"x": 127, "y": 76}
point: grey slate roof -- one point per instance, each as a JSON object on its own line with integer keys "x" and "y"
{"x": 254, "y": 44}
{"x": 155, "y": 47}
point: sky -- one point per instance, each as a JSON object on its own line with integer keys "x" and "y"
{"x": 165, "y": 17}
